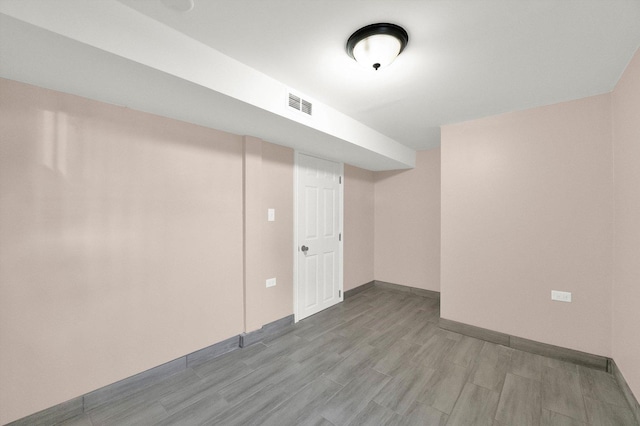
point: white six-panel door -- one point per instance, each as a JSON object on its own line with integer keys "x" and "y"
{"x": 319, "y": 245}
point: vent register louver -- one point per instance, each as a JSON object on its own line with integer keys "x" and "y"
{"x": 299, "y": 104}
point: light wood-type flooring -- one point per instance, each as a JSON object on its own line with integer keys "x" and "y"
{"x": 378, "y": 358}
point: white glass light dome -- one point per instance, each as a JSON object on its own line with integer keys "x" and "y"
{"x": 377, "y": 51}
{"x": 376, "y": 46}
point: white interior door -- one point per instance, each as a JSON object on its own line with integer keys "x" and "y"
{"x": 319, "y": 238}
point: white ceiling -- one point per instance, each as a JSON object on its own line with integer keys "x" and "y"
{"x": 465, "y": 59}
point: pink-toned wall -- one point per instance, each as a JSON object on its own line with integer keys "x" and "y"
{"x": 527, "y": 202}
{"x": 122, "y": 243}
{"x": 626, "y": 287}
{"x": 407, "y": 224}
{"x": 358, "y": 226}
{"x": 268, "y": 248}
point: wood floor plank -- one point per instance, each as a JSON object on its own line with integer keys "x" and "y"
{"x": 561, "y": 393}
{"x": 434, "y": 352}
{"x": 476, "y": 407}
{"x": 221, "y": 371}
{"x": 603, "y": 414}
{"x": 303, "y": 405}
{"x": 417, "y": 315}
{"x": 397, "y": 356}
{"x": 308, "y": 371}
{"x": 601, "y": 386}
{"x": 199, "y": 412}
{"x": 328, "y": 342}
{"x": 250, "y": 412}
{"x": 551, "y": 418}
{"x": 284, "y": 347}
{"x": 421, "y": 415}
{"x": 143, "y": 412}
{"x": 354, "y": 397}
{"x": 525, "y": 364}
{"x": 385, "y": 340}
{"x": 273, "y": 372}
{"x": 321, "y": 325}
{"x": 352, "y": 366}
{"x": 354, "y": 325}
{"x": 385, "y": 320}
{"x": 420, "y": 333}
{"x": 207, "y": 387}
{"x": 520, "y": 401}
{"x": 314, "y": 420}
{"x": 491, "y": 366}
{"x": 374, "y": 414}
{"x": 466, "y": 351}
{"x": 405, "y": 388}
{"x": 444, "y": 387}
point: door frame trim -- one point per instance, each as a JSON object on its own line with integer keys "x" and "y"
{"x": 295, "y": 229}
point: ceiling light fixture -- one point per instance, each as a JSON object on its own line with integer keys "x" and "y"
{"x": 377, "y": 45}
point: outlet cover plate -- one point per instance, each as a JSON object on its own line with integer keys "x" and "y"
{"x": 561, "y": 296}
{"x": 271, "y": 282}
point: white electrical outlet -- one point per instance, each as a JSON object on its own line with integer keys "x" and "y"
{"x": 561, "y": 296}
{"x": 271, "y": 215}
{"x": 271, "y": 282}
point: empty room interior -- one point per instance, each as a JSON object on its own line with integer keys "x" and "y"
{"x": 319, "y": 212}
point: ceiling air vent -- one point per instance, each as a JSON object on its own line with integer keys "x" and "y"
{"x": 306, "y": 107}
{"x": 299, "y": 104}
{"x": 294, "y": 102}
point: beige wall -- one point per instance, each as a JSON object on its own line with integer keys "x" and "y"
{"x": 526, "y": 209}
{"x": 122, "y": 243}
{"x": 358, "y": 226}
{"x": 626, "y": 288}
{"x": 407, "y": 224}
{"x": 268, "y": 184}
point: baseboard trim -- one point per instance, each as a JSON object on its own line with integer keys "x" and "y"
{"x": 571, "y": 355}
{"x": 626, "y": 390}
{"x": 359, "y": 289}
{"x": 267, "y": 330}
{"x": 399, "y": 287}
{"x": 214, "y": 351}
{"x": 564, "y": 354}
{"x": 106, "y": 394}
{"x": 473, "y": 331}
{"x": 76, "y": 406}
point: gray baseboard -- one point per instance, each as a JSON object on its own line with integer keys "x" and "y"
{"x": 132, "y": 384}
{"x": 359, "y": 289}
{"x": 473, "y": 331}
{"x": 626, "y": 390}
{"x": 213, "y": 351}
{"x": 399, "y": 287}
{"x": 267, "y": 330}
{"x": 582, "y": 358}
{"x": 76, "y": 406}
{"x": 564, "y": 354}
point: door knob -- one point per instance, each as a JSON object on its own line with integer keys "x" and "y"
{"x": 304, "y": 249}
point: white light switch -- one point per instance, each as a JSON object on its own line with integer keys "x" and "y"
{"x": 271, "y": 282}
{"x": 561, "y": 296}
{"x": 271, "y": 215}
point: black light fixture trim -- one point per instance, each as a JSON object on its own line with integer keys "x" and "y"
{"x": 375, "y": 29}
